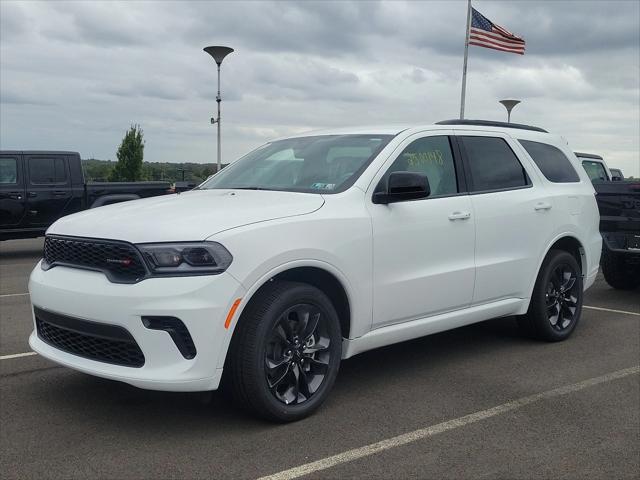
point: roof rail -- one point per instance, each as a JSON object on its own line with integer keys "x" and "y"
{"x": 588, "y": 155}
{"x": 491, "y": 123}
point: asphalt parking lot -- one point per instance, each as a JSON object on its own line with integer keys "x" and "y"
{"x": 476, "y": 402}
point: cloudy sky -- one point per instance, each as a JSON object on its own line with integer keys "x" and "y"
{"x": 76, "y": 75}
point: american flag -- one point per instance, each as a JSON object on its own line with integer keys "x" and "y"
{"x": 485, "y": 33}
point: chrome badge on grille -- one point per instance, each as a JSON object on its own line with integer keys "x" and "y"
{"x": 120, "y": 261}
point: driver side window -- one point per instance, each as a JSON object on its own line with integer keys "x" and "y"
{"x": 431, "y": 156}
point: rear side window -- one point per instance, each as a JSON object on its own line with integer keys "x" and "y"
{"x": 8, "y": 171}
{"x": 553, "y": 164}
{"x": 493, "y": 165}
{"x": 47, "y": 170}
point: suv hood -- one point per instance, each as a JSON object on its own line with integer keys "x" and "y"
{"x": 189, "y": 216}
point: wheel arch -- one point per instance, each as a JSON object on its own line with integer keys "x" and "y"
{"x": 569, "y": 243}
{"x": 572, "y": 245}
{"x": 319, "y": 274}
{"x": 326, "y": 282}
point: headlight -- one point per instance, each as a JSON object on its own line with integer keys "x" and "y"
{"x": 198, "y": 258}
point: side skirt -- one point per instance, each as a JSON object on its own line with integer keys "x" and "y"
{"x": 428, "y": 325}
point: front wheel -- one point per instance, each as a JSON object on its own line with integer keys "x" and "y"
{"x": 556, "y": 303}
{"x": 285, "y": 355}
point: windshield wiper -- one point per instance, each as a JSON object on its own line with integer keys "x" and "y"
{"x": 248, "y": 188}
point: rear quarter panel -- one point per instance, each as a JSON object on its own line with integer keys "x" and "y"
{"x": 575, "y": 210}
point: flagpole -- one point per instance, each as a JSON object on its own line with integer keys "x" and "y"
{"x": 464, "y": 65}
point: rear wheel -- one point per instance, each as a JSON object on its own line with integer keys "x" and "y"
{"x": 617, "y": 273}
{"x": 556, "y": 303}
{"x": 286, "y": 352}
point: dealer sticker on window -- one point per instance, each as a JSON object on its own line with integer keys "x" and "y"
{"x": 323, "y": 186}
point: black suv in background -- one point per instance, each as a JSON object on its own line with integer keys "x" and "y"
{"x": 38, "y": 187}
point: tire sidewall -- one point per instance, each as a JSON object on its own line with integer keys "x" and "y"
{"x": 617, "y": 273}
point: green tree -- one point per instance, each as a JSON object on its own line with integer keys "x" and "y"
{"x": 130, "y": 154}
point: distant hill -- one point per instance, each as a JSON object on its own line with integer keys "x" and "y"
{"x": 98, "y": 170}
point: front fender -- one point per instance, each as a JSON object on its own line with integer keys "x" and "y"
{"x": 339, "y": 242}
{"x": 263, "y": 279}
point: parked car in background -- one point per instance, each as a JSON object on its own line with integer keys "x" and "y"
{"x": 184, "y": 186}
{"x": 616, "y": 175}
{"x": 595, "y": 166}
{"x": 619, "y": 205}
{"x": 314, "y": 248}
{"x": 39, "y": 187}
{"x": 598, "y": 170}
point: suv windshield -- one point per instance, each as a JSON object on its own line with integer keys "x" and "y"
{"x": 318, "y": 164}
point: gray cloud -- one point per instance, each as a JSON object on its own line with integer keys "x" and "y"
{"x": 74, "y": 75}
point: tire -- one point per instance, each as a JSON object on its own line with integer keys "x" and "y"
{"x": 302, "y": 373}
{"x": 556, "y": 302}
{"x": 617, "y": 273}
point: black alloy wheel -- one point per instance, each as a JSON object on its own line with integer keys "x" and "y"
{"x": 556, "y": 302}
{"x": 297, "y": 356}
{"x": 562, "y": 297}
{"x": 285, "y": 353}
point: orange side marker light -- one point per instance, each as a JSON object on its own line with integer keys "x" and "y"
{"x": 231, "y": 313}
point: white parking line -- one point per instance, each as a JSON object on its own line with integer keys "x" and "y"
{"x": 610, "y": 310}
{"x": 17, "y": 355}
{"x": 13, "y": 295}
{"x": 421, "y": 434}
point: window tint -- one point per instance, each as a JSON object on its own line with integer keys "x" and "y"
{"x": 431, "y": 156}
{"x": 47, "y": 170}
{"x": 8, "y": 171}
{"x": 493, "y": 165}
{"x": 595, "y": 170}
{"x": 551, "y": 161}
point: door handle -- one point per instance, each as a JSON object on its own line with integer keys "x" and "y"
{"x": 15, "y": 195}
{"x": 32, "y": 194}
{"x": 459, "y": 216}
{"x": 59, "y": 193}
{"x": 542, "y": 206}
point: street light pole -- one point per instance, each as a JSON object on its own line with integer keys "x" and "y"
{"x": 218, "y": 101}
{"x": 509, "y": 104}
{"x": 218, "y": 53}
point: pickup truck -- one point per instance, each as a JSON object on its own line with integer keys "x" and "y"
{"x": 619, "y": 205}
{"x": 39, "y": 187}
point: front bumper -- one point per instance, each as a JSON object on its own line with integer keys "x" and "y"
{"x": 200, "y": 302}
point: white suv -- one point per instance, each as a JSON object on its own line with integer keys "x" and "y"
{"x": 314, "y": 248}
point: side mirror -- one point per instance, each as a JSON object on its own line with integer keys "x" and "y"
{"x": 402, "y": 186}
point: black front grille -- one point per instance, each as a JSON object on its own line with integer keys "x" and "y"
{"x": 120, "y": 261}
{"x": 95, "y": 341}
